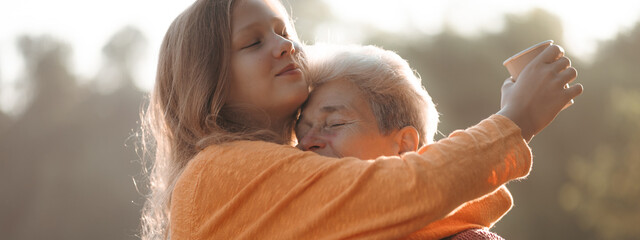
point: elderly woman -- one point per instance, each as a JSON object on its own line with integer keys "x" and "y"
{"x": 366, "y": 103}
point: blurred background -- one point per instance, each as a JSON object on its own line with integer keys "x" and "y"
{"x": 75, "y": 74}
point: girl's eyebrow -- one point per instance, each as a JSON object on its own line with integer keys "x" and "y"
{"x": 240, "y": 30}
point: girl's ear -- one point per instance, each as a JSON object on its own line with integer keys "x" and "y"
{"x": 407, "y": 139}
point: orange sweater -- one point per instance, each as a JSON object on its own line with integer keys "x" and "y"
{"x": 260, "y": 190}
{"x": 475, "y": 214}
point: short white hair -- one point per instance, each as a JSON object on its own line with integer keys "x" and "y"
{"x": 393, "y": 90}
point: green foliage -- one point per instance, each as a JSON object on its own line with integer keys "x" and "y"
{"x": 602, "y": 191}
{"x": 66, "y": 173}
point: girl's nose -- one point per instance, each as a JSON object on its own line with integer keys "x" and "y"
{"x": 285, "y": 47}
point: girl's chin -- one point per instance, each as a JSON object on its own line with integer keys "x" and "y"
{"x": 299, "y": 94}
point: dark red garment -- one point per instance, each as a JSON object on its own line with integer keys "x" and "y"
{"x": 475, "y": 234}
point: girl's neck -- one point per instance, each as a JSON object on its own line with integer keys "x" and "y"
{"x": 280, "y": 127}
{"x": 283, "y": 128}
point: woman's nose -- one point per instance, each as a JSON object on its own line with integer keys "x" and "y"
{"x": 312, "y": 142}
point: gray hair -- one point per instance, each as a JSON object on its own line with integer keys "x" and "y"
{"x": 392, "y": 89}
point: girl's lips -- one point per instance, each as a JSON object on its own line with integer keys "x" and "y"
{"x": 294, "y": 71}
{"x": 290, "y": 69}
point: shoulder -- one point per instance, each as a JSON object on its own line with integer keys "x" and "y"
{"x": 218, "y": 168}
{"x": 239, "y": 156}
{"x": 246, "y": 146}
{"x": 240, "y": 162}
{"x": 244, "y": 151}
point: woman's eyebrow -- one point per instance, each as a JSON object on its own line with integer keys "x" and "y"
{"x": 325, "y": 110}
{"x": 333, "y": 108}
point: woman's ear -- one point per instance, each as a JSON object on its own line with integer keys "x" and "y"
{"x": 407, "y": 139}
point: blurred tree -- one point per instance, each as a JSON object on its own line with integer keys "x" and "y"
{"x": 602, "y": 190}
{"x": 536, "y": 26}
{"x": 21, "y": 146}
{"x": 63, "y": 161}
{"x": 307, "y": 15}
{"x": 4, "y": 119}
{"x": 120, "y": 55}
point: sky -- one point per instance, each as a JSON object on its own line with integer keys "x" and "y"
{"x": 87, "y": 25}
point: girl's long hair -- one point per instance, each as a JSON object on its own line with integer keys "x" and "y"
{"x": 186, "y": 110}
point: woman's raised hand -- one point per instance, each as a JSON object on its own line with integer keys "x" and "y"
{"x": 541, "y": 91}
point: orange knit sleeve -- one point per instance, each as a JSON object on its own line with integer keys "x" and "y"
{"x": 259, "y": 190}
{"x": 483, "y": 212}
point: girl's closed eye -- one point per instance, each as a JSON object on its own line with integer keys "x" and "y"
{"x": 284, "y": 33}
{"x": 280, "y": 28}
{"x": 255, "y": 43}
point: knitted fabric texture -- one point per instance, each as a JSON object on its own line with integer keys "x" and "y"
{"x": 260, "y": 190}
{"x": 475, "y": 234}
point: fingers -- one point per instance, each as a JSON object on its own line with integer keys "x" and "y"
{"x": 568, "y": 104}
{"x": 551, "y": 53}
{"x": 570, "y": 93}
{"x": 573, "y": 91}
{"x": 508, "y": 82}
{"x": 567, "y": 75}
{"x": 506, "y": 85}
{"x": 561, "y": 64}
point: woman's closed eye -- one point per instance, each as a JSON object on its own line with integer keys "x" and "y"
{"x": 336, "y": 124}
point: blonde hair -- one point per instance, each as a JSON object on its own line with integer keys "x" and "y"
{"x": 187, "y": 110}
{"x": 394, "y": 92}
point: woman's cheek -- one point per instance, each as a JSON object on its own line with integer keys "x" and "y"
{"x": 344, "y": 143}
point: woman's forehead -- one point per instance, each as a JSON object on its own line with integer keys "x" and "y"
{"x": 339, "y": 96}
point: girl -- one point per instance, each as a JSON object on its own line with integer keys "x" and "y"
{"x": 228, "y": 89}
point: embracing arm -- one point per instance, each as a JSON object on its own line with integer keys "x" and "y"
{"x": 250, "y": 190}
